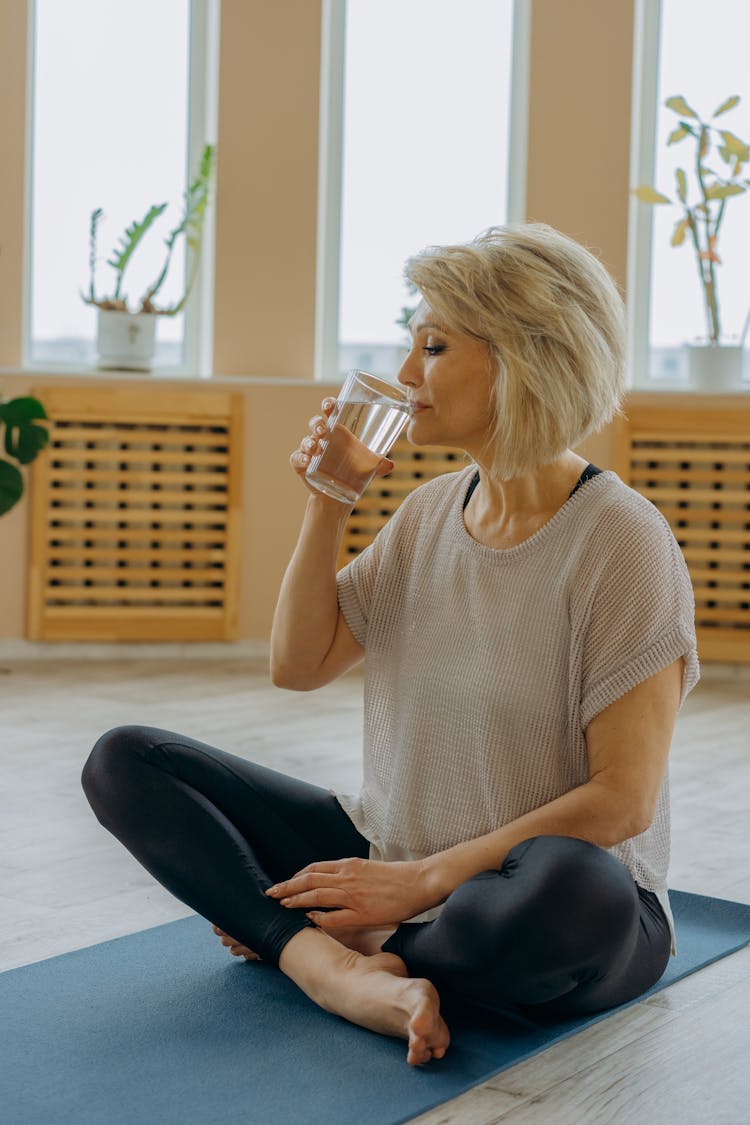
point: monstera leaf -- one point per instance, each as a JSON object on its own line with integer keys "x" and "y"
{"x": 11, "y": 486}
{"x": 24, "y": 440}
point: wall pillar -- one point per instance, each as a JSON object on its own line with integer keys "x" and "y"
{"x": 13, "y": 33}
{"x": 267, "y": 188}
{"x": 579, "y": 123}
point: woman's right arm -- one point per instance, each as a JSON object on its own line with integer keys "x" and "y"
{"x": 311, "y": 643}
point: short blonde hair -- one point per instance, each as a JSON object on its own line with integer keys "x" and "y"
{"x": 555, "y": 324}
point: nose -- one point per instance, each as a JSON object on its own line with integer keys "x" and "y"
{"x": 410, "y": 374}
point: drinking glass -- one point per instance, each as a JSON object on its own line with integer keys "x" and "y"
{"x": 369, "y": 415}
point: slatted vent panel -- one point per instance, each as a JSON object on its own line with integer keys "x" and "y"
{"x": 701, "y": 483}
{"x": 134, "y": 512}
{"x": 414, "y": 466}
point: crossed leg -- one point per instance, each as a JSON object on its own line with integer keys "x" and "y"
{"x": 560, "y": 924}
{"x": 217, "y": 832}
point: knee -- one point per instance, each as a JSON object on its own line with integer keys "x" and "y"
{"x": 111, "y": 755}
{"x": 577, "y": 883}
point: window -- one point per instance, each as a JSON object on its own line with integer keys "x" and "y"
{"x": 112, "y": 128}
{"x": 424, "y": 159}
{"x": 704, "y": 61}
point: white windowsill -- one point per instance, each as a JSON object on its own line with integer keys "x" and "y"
{"x": 679, "y": 387}
{"x": 163, "y": 375}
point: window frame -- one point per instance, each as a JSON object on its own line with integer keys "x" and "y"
{"x": 645, "y": 80}
{"x": 330, "y": 167}
{"x": 642, "y": 373}
{"x": 202, "y": 128}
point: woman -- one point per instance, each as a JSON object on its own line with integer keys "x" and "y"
{"x": 527, "y": 630}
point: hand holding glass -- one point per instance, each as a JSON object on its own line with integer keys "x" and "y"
{"x": 369, "y": 415}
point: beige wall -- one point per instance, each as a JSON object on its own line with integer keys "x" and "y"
{"x": 12, "y": 132}
{"x": 266, "y": 218}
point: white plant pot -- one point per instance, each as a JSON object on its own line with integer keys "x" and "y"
{"x": 125, "y": 341}
{"x": 715, "y": 367}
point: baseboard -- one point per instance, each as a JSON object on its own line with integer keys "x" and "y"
{"x": 711, "y": 671}
{"x": 16, "y": 650}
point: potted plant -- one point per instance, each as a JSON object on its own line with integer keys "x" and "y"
{"x": 126, "y": 331}
{"x": 702, "y": 201}
{"x": 24, "y": 440}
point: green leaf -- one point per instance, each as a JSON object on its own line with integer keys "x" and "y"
{"x": 735, "y": 147}
{"x": 19, "y": 410}
{"x": 11, "y": 486}
{"x": 650, "y": 195}
{"x": 96, "y": 217}
{"x": 678, "y": 134}
{"x": 133, "y": 235}
{"x": 704, "y": 143}
{"x": 730, "y": 103}
{"x": 24, "y": 440}
{"x": 679, "y": 105}
{"x": 723, "y": 191}
{"x": 681, "y": 185}
{"x": 190, "y": 225}
{"x": 680, "y": 231}
{"x": 25, "y": 443}
{"x": 130, "y": 240}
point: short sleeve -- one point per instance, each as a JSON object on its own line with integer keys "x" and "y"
{"x": 641, "y": 613}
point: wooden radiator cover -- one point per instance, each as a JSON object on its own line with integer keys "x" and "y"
{"x": 135, "y": 511}
{"x": 695, "y": 467}
{"x": 134, "y": 516}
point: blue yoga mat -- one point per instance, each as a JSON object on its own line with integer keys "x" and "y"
{"x": 163, "y": 1026}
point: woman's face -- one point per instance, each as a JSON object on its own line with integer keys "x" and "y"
{"x": 450, "y": 377}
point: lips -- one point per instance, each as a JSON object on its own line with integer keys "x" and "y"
{"x": 416, "y": 406}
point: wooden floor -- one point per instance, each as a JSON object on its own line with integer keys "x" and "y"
{"x": 680, "y": 1058}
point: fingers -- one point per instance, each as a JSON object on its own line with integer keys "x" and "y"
{"x": 323, "y": 873}
{"x": 329, "y": 866}
{"x": 313, "y": 887}
{"x": 305, "y": 877}
{"x": 334, "y": 920}
{"x": 236, "y": 948}
{"x": 309, "y": 446}
{"x": 385, "y": 467}
{"x": 327, "y": 897}
{"x": 301, "y": 457}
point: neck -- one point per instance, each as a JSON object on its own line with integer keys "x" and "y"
{"x": 503, "y": 513}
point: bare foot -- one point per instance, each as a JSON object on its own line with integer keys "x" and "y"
{"x": 374, "y": 992}
{"x": 236, "y": 948}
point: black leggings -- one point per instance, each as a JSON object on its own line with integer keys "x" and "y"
{"x": 560, "y": 926}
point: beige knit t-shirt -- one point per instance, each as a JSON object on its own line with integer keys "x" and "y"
{"x": 483, "y": 667}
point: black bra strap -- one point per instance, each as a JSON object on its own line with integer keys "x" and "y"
{"x": 470, "y": 490}
{"x": 588, "y": 473}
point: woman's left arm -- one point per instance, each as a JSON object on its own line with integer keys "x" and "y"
{"x": 627, "y": 745}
